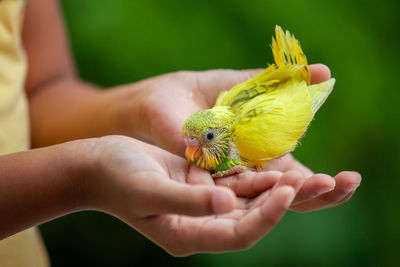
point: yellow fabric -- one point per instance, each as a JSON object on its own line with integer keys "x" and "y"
{"x": 25, "y": 248}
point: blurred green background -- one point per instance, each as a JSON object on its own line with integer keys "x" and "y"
{"x": 124, "y": 41}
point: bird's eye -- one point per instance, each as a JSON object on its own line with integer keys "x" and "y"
{"x": 210, "y": 136}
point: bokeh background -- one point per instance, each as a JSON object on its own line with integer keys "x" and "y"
{"x": 123, "y": 41}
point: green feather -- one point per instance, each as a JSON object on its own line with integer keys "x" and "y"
{"x": 217, "y": 120}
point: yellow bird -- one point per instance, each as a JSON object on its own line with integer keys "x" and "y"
{"x": 260, "y": 119}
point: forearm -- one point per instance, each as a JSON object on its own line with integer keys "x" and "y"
{"x": 36, "y": 186}
{"x": 67, "y": 109}
{"x": 62, "y": 107}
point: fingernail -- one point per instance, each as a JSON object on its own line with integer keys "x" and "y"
{"x": 222, "y": 202}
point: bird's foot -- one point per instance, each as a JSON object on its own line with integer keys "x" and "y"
{"x": 233, "y": 170}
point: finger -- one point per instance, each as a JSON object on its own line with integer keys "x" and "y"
{"x": 199, "y": 176}
{"x": 291, "y": 178}
{"x": 346, "y": 183}
{"x": 287, "y": 163}
{"x": 194, "y": 200}
{"x": 234, "y": 233}
{"x": 233, "y": 215}
{"x": 346, "y": 198}
{"x": 319, "y": 73}
{"x": 250, "y": 183}
{"x": 294, "y": 179}
{"x": 314, "y": 186}
{"x": 261, "y": 220}
{"x": 243, "y": 203}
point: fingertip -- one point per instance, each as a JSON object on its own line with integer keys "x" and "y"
{"x": 293, "y": 178}
{"x": 288, "y": 194}
{"x": 351, "y": 180}
{"x": 279, "y": 201}
{"x": 319, "y": 73}
{"x": 325, "y": 183}
{"x": 223, "y": 201}
{"x": 358, "y": 175}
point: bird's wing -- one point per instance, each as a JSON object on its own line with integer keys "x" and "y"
{"x": 290, "y": 64}
{"x": 263, "y": 83}
{"x": 320, "y": 92}
{"x": 270, "y": 125}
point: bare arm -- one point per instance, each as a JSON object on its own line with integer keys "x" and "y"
{"x": 61, "y": 106}
{"x": 142, "y": 185}
{"x": 36, "y": 186}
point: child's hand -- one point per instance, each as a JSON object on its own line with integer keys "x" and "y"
{"x": 155, "y": 109}
{"x": 149, "y": 189}
{"x": 171, "y": 98}
{"x": 319, "y": 191}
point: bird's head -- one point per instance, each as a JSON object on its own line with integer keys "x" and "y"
{"x": 207, "y": 135}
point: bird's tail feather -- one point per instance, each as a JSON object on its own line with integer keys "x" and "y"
{"x": 287, "y": 51}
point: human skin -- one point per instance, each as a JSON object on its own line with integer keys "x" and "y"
{"x": 146, "y": 187}
{"x": 139, "y": 183}
{"x": 61, "y": 106}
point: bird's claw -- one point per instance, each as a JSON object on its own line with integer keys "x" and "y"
{"x": 234, "y": 170}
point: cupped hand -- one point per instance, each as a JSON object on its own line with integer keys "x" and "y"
{"x": 171, "y": 98}
{"x": 149, "y": 189}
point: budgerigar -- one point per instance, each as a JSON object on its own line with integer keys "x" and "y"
{"x": 260, "y": 119}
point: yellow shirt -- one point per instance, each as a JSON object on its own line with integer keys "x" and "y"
{"x": 25, "y": 248}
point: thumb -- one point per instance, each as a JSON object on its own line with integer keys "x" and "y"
{"x": 319, "y": 73}
{"x": 193, "y": 200}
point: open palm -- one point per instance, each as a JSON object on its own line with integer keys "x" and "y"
{"x": 153, "y": 191}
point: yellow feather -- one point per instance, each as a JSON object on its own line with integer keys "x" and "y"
{"x": 274, "y": 108}
{"x": 320, "y": 92}
{"x": 270, "y": 125}
{"x": 287, "y": 51}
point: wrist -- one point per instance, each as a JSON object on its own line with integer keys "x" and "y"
{"x": 92, "y": 169}
{"x": 80, "y": 170}
{"x": 128, "y": 110}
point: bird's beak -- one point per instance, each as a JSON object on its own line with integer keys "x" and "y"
{"x": 193, "y": 148}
